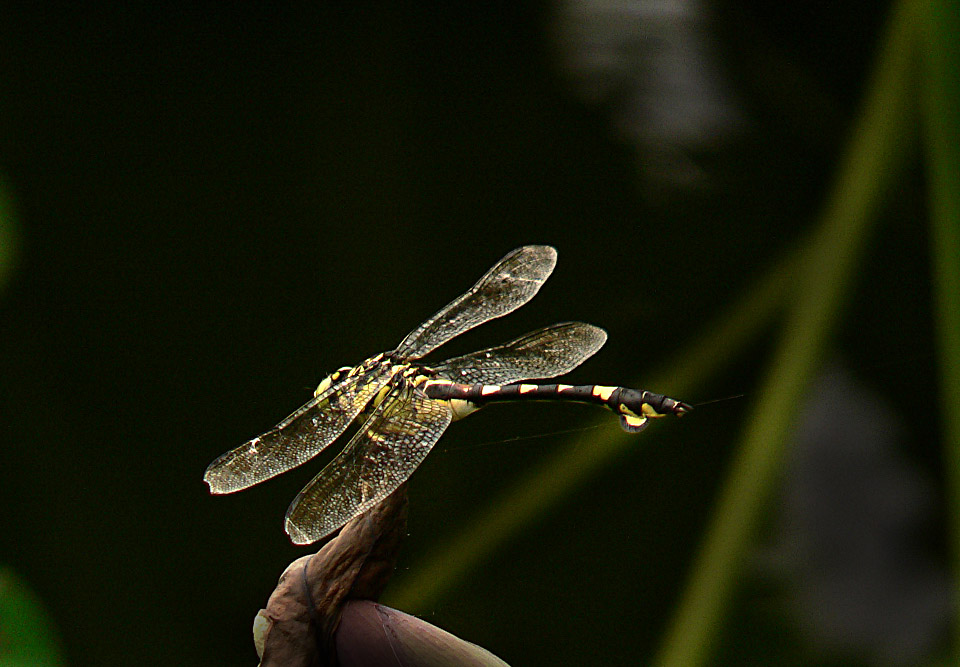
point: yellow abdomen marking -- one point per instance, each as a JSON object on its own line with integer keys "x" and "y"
{"x": 378, "y": 399}
{"x": 603, "y": 393}
{"x": 648, "y": 411}
{"x": 461, "y": 408}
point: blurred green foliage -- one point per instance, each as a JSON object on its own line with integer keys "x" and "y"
{"x": 27, "y": 638}
{"x": 939, "y": 53}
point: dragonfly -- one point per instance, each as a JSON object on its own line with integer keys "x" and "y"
{"x": 403, "y": 406}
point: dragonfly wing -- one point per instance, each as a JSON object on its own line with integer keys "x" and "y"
{"x": 512, "y": 282}
{"x": 298, "y": 438}
{"x": 379, "y": 458}
{"x": 544, "y": 353}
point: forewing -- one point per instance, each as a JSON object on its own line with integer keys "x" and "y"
{"x": 379, "y": 458}
{"x": 299, "y": 437}
{"x": 544, "y": 353}
{"x": 512, "y": 282}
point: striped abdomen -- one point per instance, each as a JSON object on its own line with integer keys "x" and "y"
{"x": 633, "y": 406}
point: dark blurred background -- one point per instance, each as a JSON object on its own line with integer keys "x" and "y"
{"x": 211, "y": 207}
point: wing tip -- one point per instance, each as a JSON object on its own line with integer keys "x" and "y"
{"x": 550, "y": 254}
{"x": 545, "y": 253}
{"x": 297, "y": 536}
{"x": 216, "y": 488}
{"x": 600, "y": 334}
{"x": 538, "y": 247}
{"x": 221, "y": 480}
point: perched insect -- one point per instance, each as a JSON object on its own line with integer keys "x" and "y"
{"x": 407, "y": 405}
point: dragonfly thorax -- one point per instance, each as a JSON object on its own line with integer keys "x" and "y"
{"x": 328, "y": 381}
{"x": 376, "y": 362}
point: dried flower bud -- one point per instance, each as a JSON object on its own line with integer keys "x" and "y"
{"x": 371, "y": 634}
{"x": 322, "y": 612}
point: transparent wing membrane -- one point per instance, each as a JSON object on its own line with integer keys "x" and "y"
{"x": 299, "y": 437}
{"x": 511, "y": 283}
{"x": 379, "y": 458}
{"x": 544, "y": 353}
{"x": 403, "y": 423}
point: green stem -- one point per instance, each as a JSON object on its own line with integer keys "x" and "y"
{"x": 875, "y": 154}
{"x": 940, "y": 97}
{"x": 8, "y": 235}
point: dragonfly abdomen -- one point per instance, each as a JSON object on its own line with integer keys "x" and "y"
{"x": 633, "y": 406}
